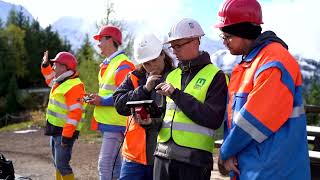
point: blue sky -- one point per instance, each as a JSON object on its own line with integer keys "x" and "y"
{"x": 295, "y": 21}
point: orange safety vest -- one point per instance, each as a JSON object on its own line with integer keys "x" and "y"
{"x": 134, "y": 145}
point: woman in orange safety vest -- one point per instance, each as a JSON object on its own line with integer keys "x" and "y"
{"x": 140, "y": 138}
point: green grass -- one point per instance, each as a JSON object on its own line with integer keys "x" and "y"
{"x": 17, "y": 126}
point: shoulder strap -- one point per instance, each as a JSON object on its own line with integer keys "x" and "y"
{"x": 134, "y": 80}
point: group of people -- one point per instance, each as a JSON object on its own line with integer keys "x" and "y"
{"x": 265, "y": 126}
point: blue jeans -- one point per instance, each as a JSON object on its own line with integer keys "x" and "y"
{"x": 110, "y": 147}
{"x": 135, "y": 171}
{"x": 61, "y": 156}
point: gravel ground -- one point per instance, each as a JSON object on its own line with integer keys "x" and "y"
{"x": 30, "y": 153}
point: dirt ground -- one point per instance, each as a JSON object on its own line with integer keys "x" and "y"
{"x": 30, "y": 153}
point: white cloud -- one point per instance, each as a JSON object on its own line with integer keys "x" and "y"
{"x": 47, "y": 11}
{"x": 149, "y": 15}
{"x": 152, "y": 15}
{"x": 296, "y": 23}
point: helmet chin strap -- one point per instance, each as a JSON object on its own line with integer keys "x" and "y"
{"x": 63, "y": 76}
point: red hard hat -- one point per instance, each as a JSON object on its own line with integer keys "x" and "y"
{"x": 109, "y": 30}
{"x": 239, "y": 11}
{"x": 67, "y": 59}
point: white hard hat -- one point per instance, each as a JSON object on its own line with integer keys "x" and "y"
{"x": 146, "y": 48}
{"x": 185, "y": 28}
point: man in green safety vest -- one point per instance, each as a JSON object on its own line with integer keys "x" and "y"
{"x": 196, "y": 95}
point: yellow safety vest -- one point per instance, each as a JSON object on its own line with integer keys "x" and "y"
{"x": 107, "y": 86}
{"x": 57, "y": 111}
{"x": 176, "y": 124}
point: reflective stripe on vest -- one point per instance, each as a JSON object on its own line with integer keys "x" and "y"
{"x": 57, "y": 112}
{"x": 107, "y": 86}
{"x": 184, "y": 131}
{"x": 64, "y": 118}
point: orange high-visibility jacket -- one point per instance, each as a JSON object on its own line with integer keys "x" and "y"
{"x": 48, "y": 74}
{"x": 266, "y": 118}
{"x": 72, "y": 100}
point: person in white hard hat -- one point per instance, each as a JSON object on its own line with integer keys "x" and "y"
{"x": 141, "y": 134}
{"x": 196, "y": 95}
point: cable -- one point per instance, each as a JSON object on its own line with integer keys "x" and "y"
{"x": 125, "y": 133}
{"x": 17, "y": 178}
{"x": 22, "y": 178}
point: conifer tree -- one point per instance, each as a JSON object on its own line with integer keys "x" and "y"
{"x": 312, "y": 97}
{"x": 88, "y": 69}
{"x": 86, "y": 51}
{"x": 11, "y": 97}
{"x": 21, "y": 48}
{"x": 127, "y": 36}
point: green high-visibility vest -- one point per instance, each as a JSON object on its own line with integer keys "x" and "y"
{"x": 57, "y": 111}
{"x": 176, "y": 124}
{"x": 107, "y": 86}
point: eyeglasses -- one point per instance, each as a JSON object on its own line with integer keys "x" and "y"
{"x": 225, "y": 37}
{"x": 178, "y": 46}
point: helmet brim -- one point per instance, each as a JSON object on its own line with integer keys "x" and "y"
{"x": 220, "y": 25}
{"x": 52, "y": 60}
{"x": 97, "y": 37}
{"x": 178, "y": 38}
{"x": 140, "y": 61}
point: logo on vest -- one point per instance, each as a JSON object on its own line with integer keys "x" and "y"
{"x": 200, "y": 82}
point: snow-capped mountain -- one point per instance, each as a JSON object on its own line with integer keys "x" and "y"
{"x": 210, "y": 45}
{"x": 6, "y": 7}
{"x": 310, "y": 68}
{"x": 74, "y": 30}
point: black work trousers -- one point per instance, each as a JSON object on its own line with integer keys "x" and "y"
{"x": 165, "y": 169}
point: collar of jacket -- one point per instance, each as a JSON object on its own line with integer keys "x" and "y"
{"x": 263, "y": 40}
{"x": 65, "y": 76}
{"x": 198, "y": 62}
{"x": 108, "y": 59}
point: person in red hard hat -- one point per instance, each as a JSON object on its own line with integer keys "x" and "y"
{"x": 113, "y": 71}
{"x": 266, "y": 126}
{"x": 65, "y": 109}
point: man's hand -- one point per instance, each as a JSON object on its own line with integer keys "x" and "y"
{"x": 94, "y": 99}
{"x": 45, "y": 58}
{"x": 165, "y": 89}
{"x": 151, "y": 82}
{"x": 231, "y": 165}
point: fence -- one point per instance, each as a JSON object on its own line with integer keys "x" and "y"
{"x": 11, "y": 119}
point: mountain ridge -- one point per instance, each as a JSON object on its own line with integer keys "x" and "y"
{"x": 6, "y": 7}
{"x": 74, "y": 30}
